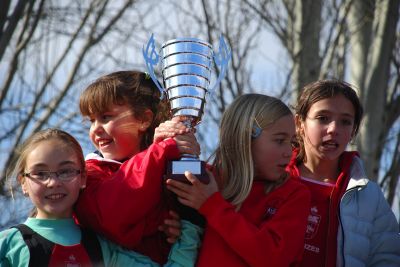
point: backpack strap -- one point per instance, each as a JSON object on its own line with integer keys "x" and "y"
{"x": 92, "y": 246}
{"x": 39, "y": 247}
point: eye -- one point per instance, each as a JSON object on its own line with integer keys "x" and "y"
{"x": 39, "y": 175}
{"x": 106, "y": 117}
{"x": 280, "y": 140}
{"x": 65, "y": 172}
{"x": 347, "y": 122}
{"x": 322, "y": 119}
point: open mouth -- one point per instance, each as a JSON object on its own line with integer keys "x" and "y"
{"x": 330, "y": 145}
{"x": 104, "y": 142}
{"x": 55, "y": 196}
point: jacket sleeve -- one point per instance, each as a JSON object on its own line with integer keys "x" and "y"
{"x": 384, "y": 236}
{"x": 13, "y": 250}
{"x": 117, "y": 203}
{"x": 184, "y": 251}
{"x": 385, "y": 239}
{"x": 277, "y": 242}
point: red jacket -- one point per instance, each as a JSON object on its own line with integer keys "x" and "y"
{"x": 123, "y": 201}
{"x": 268, "y": 230}
{"x": 345, "y": 161}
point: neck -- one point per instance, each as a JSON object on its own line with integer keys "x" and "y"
{"x": 320, "y": 170}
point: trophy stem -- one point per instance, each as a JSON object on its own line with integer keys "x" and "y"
{"x": 189, "y": 122}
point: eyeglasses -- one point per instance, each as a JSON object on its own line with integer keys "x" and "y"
{"x": 64, "y": 175}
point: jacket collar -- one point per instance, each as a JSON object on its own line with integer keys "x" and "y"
{"x": 358, "y": 177}
{"x": 99, "y": 157}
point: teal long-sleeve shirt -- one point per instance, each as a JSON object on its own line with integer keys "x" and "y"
{"x": 15, "y": 253}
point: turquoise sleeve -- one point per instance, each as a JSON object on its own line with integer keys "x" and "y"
{"x": 13, "y": 250}
{"x": 115, "y": 256}
{"x": 184, "y": 251}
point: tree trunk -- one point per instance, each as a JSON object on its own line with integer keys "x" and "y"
{"x": 360, "y": 27}
{"x": 373, "y": 134}
{"x": 307, "y": 25}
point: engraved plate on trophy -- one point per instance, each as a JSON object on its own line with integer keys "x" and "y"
{"x": 186, "y": 67}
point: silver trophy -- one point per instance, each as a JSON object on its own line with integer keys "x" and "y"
{"x": 186, "y": 65}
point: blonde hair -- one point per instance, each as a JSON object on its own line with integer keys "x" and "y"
{"x": 133, "y": 88}
{"x": 233, "y": 159}
{"x": 32, "y": 142}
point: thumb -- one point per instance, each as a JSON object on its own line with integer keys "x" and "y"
{"x": 212, "y": 177}
{"x": 190, "y": 177}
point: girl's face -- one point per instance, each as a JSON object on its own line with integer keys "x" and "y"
{"x": 117, "y": 133}
{"x": 328, "y": 128}
{"x": 53, "y": 198}
{"x": 272, "y": 150}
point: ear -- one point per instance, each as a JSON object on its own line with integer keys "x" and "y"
{"x": 83, "y": 179}
{"x": 299, "y": 125}
{"x": 24, "y": 186}
{"x": 146, "y": 120}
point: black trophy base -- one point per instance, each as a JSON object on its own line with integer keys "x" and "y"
{"x": 176, "y": 170}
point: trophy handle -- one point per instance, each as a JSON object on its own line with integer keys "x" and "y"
{"x": 221, "y": 60}
{"x": 151, "y": 58}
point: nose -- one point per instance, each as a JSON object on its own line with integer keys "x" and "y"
{"x": 96, "y": 127}
{"x": 287, "y": 153}
{"x": 53, "y": 180}
{"x": 332, "y": 127}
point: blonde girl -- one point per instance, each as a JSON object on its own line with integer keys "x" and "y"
{"x": 256, "y": 215}
{"x": 51, "y": 171}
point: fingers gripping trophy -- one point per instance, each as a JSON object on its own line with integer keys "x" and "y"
{"x": 186, "y": 65}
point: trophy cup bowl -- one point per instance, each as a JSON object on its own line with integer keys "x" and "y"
{"x": 186, "y": 65}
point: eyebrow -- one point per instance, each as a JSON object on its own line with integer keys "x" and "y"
{"x": 328, "y": 111}
{"x": 63, "y": 163}
{"x": 281, "y": 133}
{"x": 66, "y": 162}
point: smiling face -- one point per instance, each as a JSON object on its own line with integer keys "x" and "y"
{"x": 271, "y": 151}
{"x": 53, "y": 199}
{"x": 116, "y": 133}
{"x": 328, "y": 128}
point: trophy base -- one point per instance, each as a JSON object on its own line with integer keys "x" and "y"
{"x": 176, "y": 170}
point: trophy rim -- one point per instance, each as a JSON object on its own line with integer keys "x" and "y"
{"x": 185, "y": 39}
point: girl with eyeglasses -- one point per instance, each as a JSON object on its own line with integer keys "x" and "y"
{"x": 51, "y": 171}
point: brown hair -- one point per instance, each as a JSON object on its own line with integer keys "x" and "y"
{"x": 132, "y": 88}
{"x": 322, "y": 89}
{"x": 34, "y": 140}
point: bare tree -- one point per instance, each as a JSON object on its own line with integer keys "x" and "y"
{"x": 322, "y": 38}
{"x": 50, "y": 57}
{"x": 50, "y": 51}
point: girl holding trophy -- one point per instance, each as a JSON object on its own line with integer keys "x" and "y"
{"x": 256, "y": 215}
{"x": 123, "y": 195}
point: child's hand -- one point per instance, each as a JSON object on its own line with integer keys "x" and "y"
{"x": 187, "y": 144}
{"x": 169, "y": 128}
{"x": 171, "y": 227}
{"x": 193, "y": 195}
